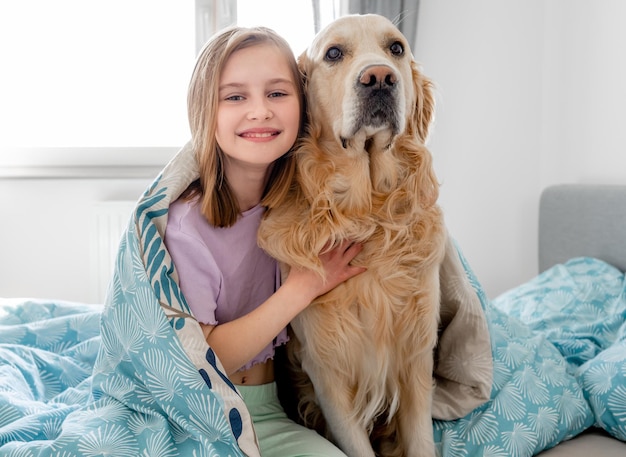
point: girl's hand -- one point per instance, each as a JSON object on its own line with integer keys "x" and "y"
{"x": 337, "y": 269}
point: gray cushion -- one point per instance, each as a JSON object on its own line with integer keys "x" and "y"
{"x": 582, "y": 220}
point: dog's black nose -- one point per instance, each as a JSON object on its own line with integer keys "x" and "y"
{"x": 378, "y": 76}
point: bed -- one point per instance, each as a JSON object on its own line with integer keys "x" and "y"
{"x": 584, "y": 220}
{"x": 135, "y": 377}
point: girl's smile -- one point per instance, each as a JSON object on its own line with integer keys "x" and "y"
{"x": 259, "y": 135}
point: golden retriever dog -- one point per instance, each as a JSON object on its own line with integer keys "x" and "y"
{"x": 365, "y": 175}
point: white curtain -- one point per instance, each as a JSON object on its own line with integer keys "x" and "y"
{"x": 211, "y": 16}
{"x": 403, "y": 13}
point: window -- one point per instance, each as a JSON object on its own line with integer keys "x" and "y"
{"x": 109, "y": 78}
{"x": 85, "y": 73}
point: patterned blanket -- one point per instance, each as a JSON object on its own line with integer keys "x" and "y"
{"x": 514, "y": 375}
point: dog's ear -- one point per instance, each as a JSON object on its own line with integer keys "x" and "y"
{"x": 303, "y": 63}
{"x": 424, "y": 103}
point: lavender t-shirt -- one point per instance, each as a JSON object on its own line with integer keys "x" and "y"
{"x": 222, "y": 272}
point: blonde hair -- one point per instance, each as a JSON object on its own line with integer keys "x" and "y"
{"x": 218, "y": 203}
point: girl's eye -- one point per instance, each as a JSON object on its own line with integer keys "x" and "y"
{"x": 234, "y": 98}
{"x": 277, "y": 94}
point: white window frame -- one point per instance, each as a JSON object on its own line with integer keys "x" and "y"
{"x": 83, "y": 163}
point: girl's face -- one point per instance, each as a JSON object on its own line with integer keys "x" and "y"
{"x": 258, "y": 115}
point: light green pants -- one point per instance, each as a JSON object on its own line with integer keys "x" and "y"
{"x": 278, "y": 435}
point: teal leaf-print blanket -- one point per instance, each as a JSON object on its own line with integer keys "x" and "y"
{"x": 580, "y": 308}
{"x": 134, "y": 377}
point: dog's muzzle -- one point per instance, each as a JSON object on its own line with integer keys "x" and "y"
{"x": 377, "y": 94}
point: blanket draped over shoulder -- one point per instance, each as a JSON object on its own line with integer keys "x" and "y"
{"x": 513, "y": 376}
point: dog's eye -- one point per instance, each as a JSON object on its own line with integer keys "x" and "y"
{"x": 333, "y": 53}
{"x": 396, "y": 48}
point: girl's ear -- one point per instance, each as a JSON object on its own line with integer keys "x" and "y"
{"x": 424, "y": 103}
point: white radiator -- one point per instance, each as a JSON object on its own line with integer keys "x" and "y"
{"x": 109, "y": 220}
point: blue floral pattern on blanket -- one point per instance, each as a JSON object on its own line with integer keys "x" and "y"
{"x": 47, "y": 352}
{"x": 52, "y": 385}
{"x": 580, "y": 307}
{"x": 535, "y": 402}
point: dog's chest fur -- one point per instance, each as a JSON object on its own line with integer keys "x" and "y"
{"x": 371, "y": 198}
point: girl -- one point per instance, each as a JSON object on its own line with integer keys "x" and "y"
{"x": 246, "y": 109}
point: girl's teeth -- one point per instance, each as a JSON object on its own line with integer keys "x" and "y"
{"x": 258, "y": 135}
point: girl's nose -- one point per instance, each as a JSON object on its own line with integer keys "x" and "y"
{"x": 260, "y": 111}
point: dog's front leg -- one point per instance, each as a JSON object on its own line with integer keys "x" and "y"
{"x": 415, "y": 419}
{"x": 335, "y": 402}
{"x": 415, "y": 409}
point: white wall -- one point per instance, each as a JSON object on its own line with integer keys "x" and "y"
{"x": 586, "y": 71}
{"x": 530, "y": 93}
{"x": 45, "y": 244}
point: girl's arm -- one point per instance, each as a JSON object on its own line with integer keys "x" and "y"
{"x": 238, "y": 341}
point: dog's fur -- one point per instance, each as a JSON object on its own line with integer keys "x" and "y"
{"x": 364, "y": 174}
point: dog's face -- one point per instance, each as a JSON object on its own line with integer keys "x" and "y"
{"x": 360, "y": 74}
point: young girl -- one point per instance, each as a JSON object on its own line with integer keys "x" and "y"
{"x": 246, "y": 108}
